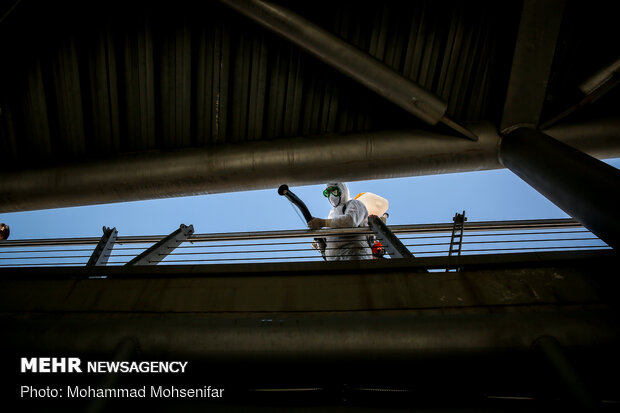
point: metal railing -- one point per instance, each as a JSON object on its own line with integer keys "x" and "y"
{"x": 424, "y": 240}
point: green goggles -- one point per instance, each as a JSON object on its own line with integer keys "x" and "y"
{"x": 332, "y": 190}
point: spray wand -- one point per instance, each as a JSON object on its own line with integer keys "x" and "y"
{"x": 284, "y": 191}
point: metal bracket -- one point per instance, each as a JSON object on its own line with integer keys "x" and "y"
{"x": 104, "y": 248}
{"x": 161, "y": 249}
{"x": 392, "y": 244}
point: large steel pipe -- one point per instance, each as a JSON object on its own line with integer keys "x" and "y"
{"x": 599, "y": 138}
{"x": 584, "y": 187}
{"x": 267, "y": 164}
{"x": 309, "y": 337}
{"x": 553, "y": 352}
{"x": 252, "y": 165}
{"x": 351, "y": 61}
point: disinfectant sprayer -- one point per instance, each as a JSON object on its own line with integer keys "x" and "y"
{"x": 286, "y": 192}
{"x": 283, "y": 190}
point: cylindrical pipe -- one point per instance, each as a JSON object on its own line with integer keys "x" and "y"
{"x": 125, "y": 350}
{"x": 551, "y": 349}
{"x": 310, "y": 337}
{"x": 351, "y": 61}
{"x": 252, "y": 165}
{"x": 584, "y": 187}
{"x": 266, "y": 164}
{"x": 596, "y": 137}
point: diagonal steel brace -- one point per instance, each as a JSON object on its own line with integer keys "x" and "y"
{"x": 103, "y": 249}
{"x": 161, "y": 249}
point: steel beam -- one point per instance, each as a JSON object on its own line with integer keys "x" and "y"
{"x": 373, "y": 285}
{"x": 597, "y": 138}
{"x": 595, "y": 87}
{"x": 392, "y": 244}
{"x": 469, "y": 262}
{"x": 350, "y": 337}
{"x": 584, "y": 187}
{"x": 102, "y": 251}
{"x": 163, "y": 248}
{"x": 349, "y": 60}
{"x": 531, "y": 63}
{"x": 266, "y": 164}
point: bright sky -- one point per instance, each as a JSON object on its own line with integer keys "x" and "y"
{"x": 485, "y": 196}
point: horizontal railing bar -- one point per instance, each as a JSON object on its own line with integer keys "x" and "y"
{"x": 490, "y": 225}
{"x": 81, "y": 263}
{"x": 221, "y": 246}
{"x": 540, "y": 248}
{"x": 219, "y": 252}
{"x": 427, "y": 245}
{"x": 259, "y": 258}
{"x": 240, "y": 252}
{"x": 41, "y": 258}
{"x": 10, "y": 251}
{"x": 529, "y": 240}
{"x": 503, "y": 234}
{"x": 506, "y": 241}
{"x": 34, "y": 264}
{"x": 306, "y": 242}
{"x": 242, "y": 245}
{"x": 425, "y": 253}
{"x": 471, "y": 226}
{"x": 420, "y": 253}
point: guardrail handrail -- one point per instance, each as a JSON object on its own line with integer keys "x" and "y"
{"x": 231, "y": 236}
{"x": 261, "y": 246}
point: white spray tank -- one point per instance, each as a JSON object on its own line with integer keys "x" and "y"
{"x": 375, "y": 204}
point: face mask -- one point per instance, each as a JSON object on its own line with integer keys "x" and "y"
{"x": 334, "y": 200}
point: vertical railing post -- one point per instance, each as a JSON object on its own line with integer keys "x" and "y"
{"x": 103, "y": 249}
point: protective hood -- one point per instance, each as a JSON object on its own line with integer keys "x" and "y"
{"x": 344, "y": 190}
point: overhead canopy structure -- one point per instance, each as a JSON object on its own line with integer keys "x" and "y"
{"x": 102, "y": 106}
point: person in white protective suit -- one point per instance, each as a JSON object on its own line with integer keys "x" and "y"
{"x": 346, "y": 213}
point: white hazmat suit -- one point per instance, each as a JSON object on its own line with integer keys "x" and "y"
{"x": 346, "y": 213}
